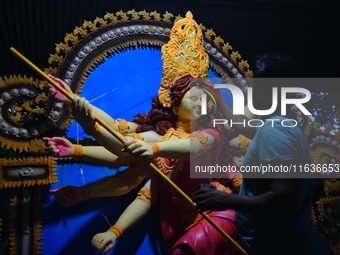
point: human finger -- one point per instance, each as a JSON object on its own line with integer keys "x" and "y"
{"x": 202, "y": 191}
{"x": 202, "y": 203}
{"x": 200, "y": 196}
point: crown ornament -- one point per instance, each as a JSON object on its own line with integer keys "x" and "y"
{"x": 182, "y": 56}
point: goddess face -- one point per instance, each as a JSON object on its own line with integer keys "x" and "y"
{"x": 190, "y": 107}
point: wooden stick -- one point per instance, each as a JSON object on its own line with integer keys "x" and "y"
{"x": 204, "y": 214}
{"x": 67, "y": 94}
{"x": 122, "y": 140}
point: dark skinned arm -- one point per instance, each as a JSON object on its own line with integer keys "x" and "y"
{"x": 281, "y": 199}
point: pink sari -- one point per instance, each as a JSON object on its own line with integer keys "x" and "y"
{"x": 184, "y": 230}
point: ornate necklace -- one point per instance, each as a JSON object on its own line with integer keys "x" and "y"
{"x": 171, "y": 167}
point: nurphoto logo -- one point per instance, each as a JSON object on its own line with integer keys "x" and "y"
{"x": 239, "y": 103}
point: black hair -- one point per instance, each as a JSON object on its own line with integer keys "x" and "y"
{"x": 272, "y": 65}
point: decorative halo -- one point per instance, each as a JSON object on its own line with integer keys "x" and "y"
{"x": 26, "y": 114}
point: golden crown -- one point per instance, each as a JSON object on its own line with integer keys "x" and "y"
{"x": 182, "y": 56}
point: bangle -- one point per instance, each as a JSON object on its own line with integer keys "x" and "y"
{"x": 144, "y": 192}
{"x": 94, "y": 130}
{"x": 122, "y": 126}
{"x": 243, "y": 143}
{"x": 78, "y": 150}
{"x": 136, "y": 136}
{"x": 202, "y": 138}
{"x": 87, "y": 192}
{"x": 155, "y": 147}
{"x": 118, "y": 231}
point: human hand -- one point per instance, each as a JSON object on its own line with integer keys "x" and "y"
{"x": 57, "y": 93}
{"x": 208, "y": 198}
{"x": 68, "y": 195}
{"x": 82, "y": 113}
{"x": 60, "y": 146}
{"x": 138, "y": 148}
{"x": 104, "y": 242}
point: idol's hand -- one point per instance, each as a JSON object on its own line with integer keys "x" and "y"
{"x": 104, "y": 242}
{"x": 68, "y": 195}
{"x": 57, "y": 93}
{"x": 60, "y": 146}
{"x": 139, "y": 148}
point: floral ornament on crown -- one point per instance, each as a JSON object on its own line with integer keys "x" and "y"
{"x": 182, "y": 56}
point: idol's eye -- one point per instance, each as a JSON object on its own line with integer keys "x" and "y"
{"x": 194, "y": 98}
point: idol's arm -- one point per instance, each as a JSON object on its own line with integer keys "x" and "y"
{"x": 103, "y": 242}
{"x": 186, "y": 148}
{"x": 116, "y": 185}
{"x": 117, "y": 125}
{"x": 98, "y": 155}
